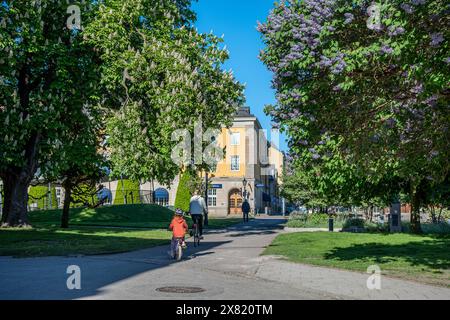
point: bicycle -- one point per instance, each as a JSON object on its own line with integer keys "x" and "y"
{"x": 196, "y": 233}
{"x": 178, "y": 250}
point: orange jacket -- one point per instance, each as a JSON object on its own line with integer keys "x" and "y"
{"x": 179, "y": 227}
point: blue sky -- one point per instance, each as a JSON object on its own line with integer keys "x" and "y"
{"x": 237, "y": 20}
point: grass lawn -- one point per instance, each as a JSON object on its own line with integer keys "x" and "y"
{"x": 77, "y": 240}
{"x": 133, "y": 216}
{"x": 137, "y": 215}
{"x": 421, "y": 258}
{"x": 92, "y": 231}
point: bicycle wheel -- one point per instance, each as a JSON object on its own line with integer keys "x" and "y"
{"x": 196, "y": 236}
{"x": 178, "y": 252}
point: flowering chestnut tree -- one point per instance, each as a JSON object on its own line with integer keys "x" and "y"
{"x": 373, "y": 76}
{"x": 47, "y": 74}
{"x": 162, "y": 75}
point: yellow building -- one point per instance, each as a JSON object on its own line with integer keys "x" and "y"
{"x": 251, "y": 168}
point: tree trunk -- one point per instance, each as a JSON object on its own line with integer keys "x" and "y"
{"x": 433, "y": 214}
{"x": 416, "y": 202}
{"x": 66, "y": 206}
{"x": 440, "y": 214}
{"x": 15, "y": 210}
{"x": 7, "y": 188}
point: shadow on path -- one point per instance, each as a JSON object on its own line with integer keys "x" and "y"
{"x": 46, "y": 277}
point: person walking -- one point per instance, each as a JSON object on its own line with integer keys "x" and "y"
{"x": 245, "y": 209}
{"x": 197, "y": 209}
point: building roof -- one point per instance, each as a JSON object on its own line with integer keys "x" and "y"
{"x": 244, "y": 112}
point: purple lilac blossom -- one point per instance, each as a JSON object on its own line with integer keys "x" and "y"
{"x": 407, "y": 8}
{"x": 395, "y": 31}
{"x": 348, "y": 18}
{"x": 431, "y": 101}
{"x": 436, "y": 39}
{"x": 386, "y": 49}
{"x": 417, "y": 89}
{"x": 303, "y": 142}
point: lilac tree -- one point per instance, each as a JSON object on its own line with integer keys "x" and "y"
{"x": 373, "y": 77}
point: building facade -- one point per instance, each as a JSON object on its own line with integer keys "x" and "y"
{"x": 251, "y": 169}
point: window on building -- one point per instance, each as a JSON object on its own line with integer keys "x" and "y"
{"x": 234, "y": 163}
{"x": 235, "y": 138}
{"x": 212, "y": 197}
{"x": 162, "y": 197}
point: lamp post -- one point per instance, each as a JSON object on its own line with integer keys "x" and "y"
{"x": 244, "y": 183}
{"x": 50, "y": 204}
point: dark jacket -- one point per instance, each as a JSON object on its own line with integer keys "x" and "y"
{"x": 245, "y": 207}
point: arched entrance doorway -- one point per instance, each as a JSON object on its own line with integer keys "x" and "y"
{"x": 235, "y": 202}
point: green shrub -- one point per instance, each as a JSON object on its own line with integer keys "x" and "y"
{"x": 318, "y": 219}
{"x": 39, "y": 195}
{"x": 83, "y": 194}
{"x": 354, "y": 222}
{"x": 315, "y": 220}
{"x": 376, "y": 227}
{"x": 183, "y": 196}
{"x": 129, "y": 186}
{"x": 429, "y": 228}
{"x": 297, "y": 215}
{"x": 368, "y": 226}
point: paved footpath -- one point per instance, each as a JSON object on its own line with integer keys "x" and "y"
{"x": 227, "y": 265}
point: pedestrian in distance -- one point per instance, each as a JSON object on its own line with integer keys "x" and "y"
{"x": 245, "y": 209}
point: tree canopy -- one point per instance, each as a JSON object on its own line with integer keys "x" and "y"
{"x": 129, "y": 74}
{"x": 377, "y": 84}
{"x": 162, "y": 75}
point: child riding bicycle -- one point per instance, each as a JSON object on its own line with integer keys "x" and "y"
{"x": 179, "y": 227}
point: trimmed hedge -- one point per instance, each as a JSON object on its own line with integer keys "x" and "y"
{"x": 128, "y": 186}
{"x": 183, "y": 196}
{"x": 39, "y": 195}
{"x": 85, "y": 193}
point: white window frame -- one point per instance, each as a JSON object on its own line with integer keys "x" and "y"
{"x": 233, "y": 142}
{"x": 238, "y": 163}
{"x": 212, "y": 197}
